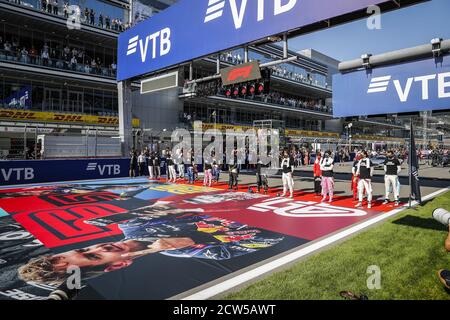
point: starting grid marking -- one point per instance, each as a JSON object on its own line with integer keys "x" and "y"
{"x": 272, "y": 266}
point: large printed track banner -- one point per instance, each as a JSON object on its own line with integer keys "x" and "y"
{"x": 141, "y": 239}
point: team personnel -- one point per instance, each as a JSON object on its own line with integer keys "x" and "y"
{"x": 327, "y": 167}
{"x": 157, "y": 166}
{"x": 261, "y": 177}
{"x": 171, "y": 172}
{"x": 207, "y": 180}
{"x": 355, "y": 178}
{"x": 317, "y": 174}
{"x": 233, "y": 175}
{"x": 392, "y": 168}
{"x": 287, "y": 167}
{"x": 141, "y": 163}
{"x": 133, "y": 163}
{"x": 180, "y": 163}
{"x": 151, "y": 160}
{"x": 364, "y": 172}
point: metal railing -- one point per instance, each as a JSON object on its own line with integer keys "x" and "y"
{"x": 54, "y": 63}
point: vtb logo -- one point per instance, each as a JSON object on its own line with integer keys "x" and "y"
{"x": 107, "y": 169}
{"x": 157, "y": 40}
{"x": 381, "y": 84}
{"x": 216, "y": 7}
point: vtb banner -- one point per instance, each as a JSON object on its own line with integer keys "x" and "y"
{"x": 408, "y": 87}
{"x": 191, "y": 29}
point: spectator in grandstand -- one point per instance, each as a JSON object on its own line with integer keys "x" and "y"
{"x": 24, "y": 55}
{"x": 93, "y": 66}
{"x": 15, "y": 44}
{"x": 55, "y": 7}
{"x": 33, "y": 55}
{"x": 66, "y": 10}
{"x": 73, "y": 63}
{"x": 113, "y": 68}
{"x": 327, "y": 166}
{"x": 49, "y": 6}
{"x": 45, "y": 58}
{"x": 100, "y": 20}
{"x": 108, "y": 22}
{"x": 92, "y": 17}
{"x": 86, "y": 15}
{"x": 87, "y": 68}
{"x": 44, "y": 5}
{"x": 364, "y": 171}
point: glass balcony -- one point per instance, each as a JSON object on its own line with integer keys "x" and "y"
{"x": 43, "y": 60}
{"x": 95, "y": 13}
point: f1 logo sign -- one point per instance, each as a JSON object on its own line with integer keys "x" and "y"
{"x": 245, "y": 72}
{"x": 240, "y": 73}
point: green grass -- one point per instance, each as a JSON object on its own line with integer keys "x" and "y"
{"x": 408, "y": 248}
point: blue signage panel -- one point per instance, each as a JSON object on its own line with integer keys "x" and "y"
{"x": 408, "y": 87}
{"x": 25, "y": 172}
{"x": 192, "y": 29}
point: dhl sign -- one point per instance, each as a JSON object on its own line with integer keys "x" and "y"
{"x": 38, "y": 116}
{"x": 224, "y": 127}
{"x": 376, "y": 138}
{"x": 288, "y": 132}
{"x": 312, "y": 134}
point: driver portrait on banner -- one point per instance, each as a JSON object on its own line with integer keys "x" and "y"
{"x": 162, "y": 228}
